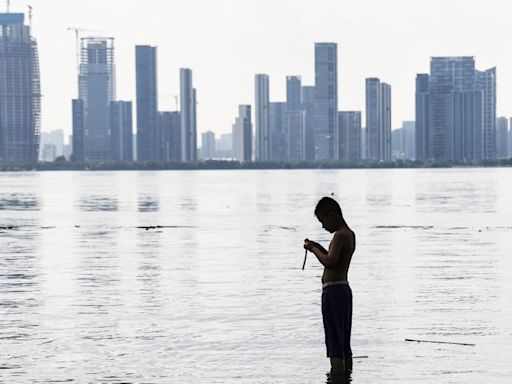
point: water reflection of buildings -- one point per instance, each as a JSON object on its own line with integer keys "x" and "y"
{"x": 98, "y": 203}
{"x": 20, "y": 279}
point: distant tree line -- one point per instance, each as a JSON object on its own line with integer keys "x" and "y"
{"x": 61, "y": 164}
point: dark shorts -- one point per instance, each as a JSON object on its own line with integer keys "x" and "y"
{"x": 337, "y": 316}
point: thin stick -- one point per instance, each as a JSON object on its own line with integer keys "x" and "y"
{"x": 440, "y": 342}
{"x": 305, "y": 257}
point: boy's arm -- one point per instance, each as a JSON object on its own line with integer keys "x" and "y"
{"x": 327, "y": 258}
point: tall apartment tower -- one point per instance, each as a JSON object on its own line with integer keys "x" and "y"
{"x": 78, "y": 130}
{"x": 277, "y": 128}
{"x": 294, "y": 119}
{"x": 20, "y": 95}
{"x": 502, "y": 138}
{"x": 326, "y": 100}
{"x": 422, "y": 126}
{"x": 450, "y": 79}
{"x": 262, "y": 117}
{"x": 486, "y": 83}
{"x": 97, "y": 91}
{"x": 242, "y": 134}
{"x": 208, "y": 145}
{"x": 169, "y": 126}
{"x": 349, "y": 135}
{"x": 308, "y": 110}
{"x": 148, "y": 139}
{"x": 510, "y": 138}
{"x": 462, "y": 111}
{"x": 378, "y": 120}
{"x": 188, "y": 116}
{"x": 121, "y": 131}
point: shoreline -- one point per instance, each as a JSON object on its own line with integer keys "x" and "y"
{"x": 62, "y": 165}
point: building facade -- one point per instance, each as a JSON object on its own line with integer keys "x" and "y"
{"x": 422, "y": 122}
{"x": 326, "y": 100}
{"x": 378, "y": 120}
{"x": 208, "y": 145}
{"x": 188, "y": 100}
{"x": 502, "y": 138}
{"x": 349, "y": 136}
{"x": 294, "y": 119}
{"x": 20, "y": 94}
{"x": 169, "y": 126}
{"x": 148, "y": 138}
{"x": 262, "y": 117}
{"x": 242, "y": 134}
{"x": 97, "y": 91}
{"x": 121, "y": 130}
{"x": 277, "y": 129}
{"x": 308, "y": 111}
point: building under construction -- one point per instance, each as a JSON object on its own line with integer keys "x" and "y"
{"x": 20, "y": 96}
{"x": 91, "y": 111}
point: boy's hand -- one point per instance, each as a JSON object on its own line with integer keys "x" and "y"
{"x": 309, "y": 245}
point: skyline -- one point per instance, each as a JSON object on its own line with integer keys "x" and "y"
{"x": 362, "y": 51}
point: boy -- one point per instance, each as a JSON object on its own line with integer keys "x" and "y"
{"x": 336, "y": 292}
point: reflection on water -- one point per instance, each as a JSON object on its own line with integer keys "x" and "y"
{"x": 178, "y": 277}
{"x": 98, "y": 203}
{"x": 148, "y": 203}
{"x": 18, "y": 202}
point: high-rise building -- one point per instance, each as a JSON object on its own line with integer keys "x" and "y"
{"x": 224, "y": 146}
{"x": 378, "y": 120}
{"x": 502, "y": 138}
{"x": 422, "y": 124}
{"x": 148, "y": 138}
{"x": 403, "y": 141}
{"x": 277, "y": 128}
{"x": 242, "y": 134}
{"x": 56, "y": 138}
{"x": 20, "y": 96}
{"x": 447, "y": 74}
{"x": 208, "y": 145}
{"x": 121, "y": 131}
{"x": 461, "y": 106}
{"x": 262, "y": 117}
{"x": 486, "y": 83}
{"x": 97, "y": 90}
{"x": 188, "y": 116}
{"x": 294, "y": 119}
{"x": 308, "y": 110}
{"x": 169, "y": 126}
{"x": 326, "y": 100}
{"x": 510, "y": 138}
{"x": 349, "y": 135}
{"x": 78, "y": 153}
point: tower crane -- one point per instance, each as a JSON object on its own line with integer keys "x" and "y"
{"x": 77, "y": 37}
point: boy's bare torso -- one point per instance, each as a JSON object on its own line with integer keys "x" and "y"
{"x": 339, "y": 272}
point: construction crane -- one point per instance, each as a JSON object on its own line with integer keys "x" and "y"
{"x": 30, "y": 8}
{"x": 175, "y": 97}
{"x": 77, "y": 37}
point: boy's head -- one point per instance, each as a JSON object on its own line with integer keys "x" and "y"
{"x": 328, "y": 212}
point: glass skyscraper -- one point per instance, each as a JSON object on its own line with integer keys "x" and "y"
{"x": 148, "y": 139}
{"x": 20, "y": 96}
{"x": 326, "y": 100}
{"x": 96, "y": 91}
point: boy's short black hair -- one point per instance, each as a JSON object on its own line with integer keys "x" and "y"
{"x": 326, "y": 205}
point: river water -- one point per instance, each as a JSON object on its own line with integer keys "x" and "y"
{"x": 212, "y": 291}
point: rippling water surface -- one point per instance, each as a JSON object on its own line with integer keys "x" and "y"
{"x": 195, "y": 277}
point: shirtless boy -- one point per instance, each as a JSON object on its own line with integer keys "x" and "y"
{"x": 336, "y": 292}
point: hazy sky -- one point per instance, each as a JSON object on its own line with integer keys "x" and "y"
{"x": 226, "y": 42}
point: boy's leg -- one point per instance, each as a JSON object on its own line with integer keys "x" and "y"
{"x": 337, "y": 364}
{"x": 348, "y": 364}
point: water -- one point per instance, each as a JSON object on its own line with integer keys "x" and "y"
{"x": 217, "y": 294}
